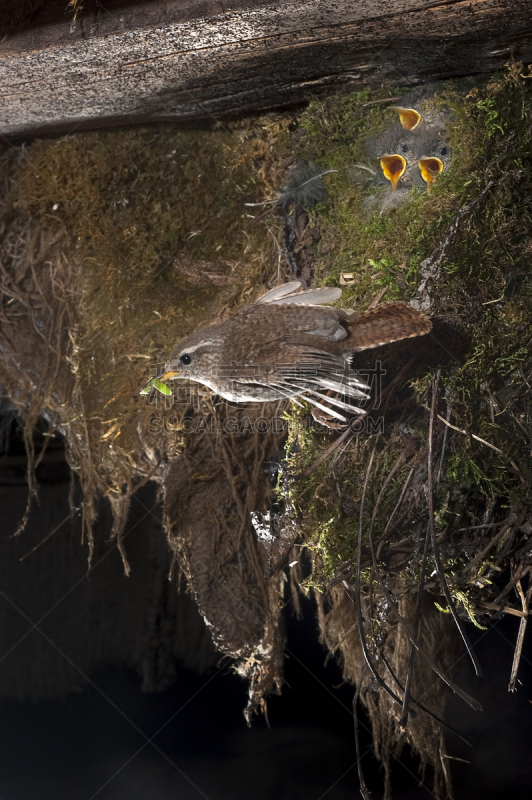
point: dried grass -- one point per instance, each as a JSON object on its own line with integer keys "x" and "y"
{"x": 89, "y": 298}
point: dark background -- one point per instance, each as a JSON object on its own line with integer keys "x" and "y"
{"x": 111, "y": 740}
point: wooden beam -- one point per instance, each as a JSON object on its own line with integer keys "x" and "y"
{"x": 176, "y": 61}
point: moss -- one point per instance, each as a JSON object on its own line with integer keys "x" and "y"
{"x": 484, "y": 293}
{"x": 382, "y": 249}
{"x": 132, "y": 200}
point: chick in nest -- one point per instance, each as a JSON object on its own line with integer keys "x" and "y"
{"x": 411, "y": 158}
{"x": 413, "y": 151}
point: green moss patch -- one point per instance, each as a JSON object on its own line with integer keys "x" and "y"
{"x": 114, "y": 247}
{"x": 482, "y": 305}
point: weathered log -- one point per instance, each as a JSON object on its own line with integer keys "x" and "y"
{"x": 172, "y": 61}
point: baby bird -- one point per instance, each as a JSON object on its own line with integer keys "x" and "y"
{"x": 415, "y": 150}
{"x": 413, "y": 157}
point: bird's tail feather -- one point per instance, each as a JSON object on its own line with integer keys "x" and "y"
{"x": 386, "y": 323}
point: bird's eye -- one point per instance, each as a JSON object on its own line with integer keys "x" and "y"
{"x": 404, "y": 148}
{"x": 185, "y": 359}
{"x": 444, "y": 151}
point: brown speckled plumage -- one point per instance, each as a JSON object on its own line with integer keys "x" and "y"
{"x": 286, "y": 344}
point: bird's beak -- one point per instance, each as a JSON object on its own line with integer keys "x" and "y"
{"x": 156, "y": 382}
{"x": 430, "y": 169}
{"x": 393, "y": 167}
{"x": 408, "y": 117}
{"x": 167, "y": 376}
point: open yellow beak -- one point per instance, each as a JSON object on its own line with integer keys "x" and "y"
{"x": 409, "y": 117}
{"x": 430, "y": 169}
{"x": 167, "y": 376}
{"x": 393, "y": 167}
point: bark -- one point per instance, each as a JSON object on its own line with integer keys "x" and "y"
{"x": 171, "y": 60}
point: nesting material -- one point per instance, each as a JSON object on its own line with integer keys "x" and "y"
{"x": 91, "y": 227}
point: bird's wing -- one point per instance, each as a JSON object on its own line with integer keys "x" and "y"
{"x": 290, "y": 293}
{"x": 279, "y": 291}
{"x": 291, "y": 370}
{"x": 319, "y": 376}
{"x": 313, "y": 320}
{"x": 286, "y": 324}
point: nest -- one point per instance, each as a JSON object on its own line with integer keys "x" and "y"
{"x": 80, "y": 318}
{"x": 436, "y": 636}
{"x": 110, "y": 252}
{"x": 210, "y": 494}
{"x": 421, "y": 512}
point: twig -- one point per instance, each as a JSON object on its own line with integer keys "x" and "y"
{"x": 392, "y": 515}
{"x": 478, "y": 527}
{"x": 363, "y": 788}
{"x": 410, "y": 672}
{"x": 376, "y": 300}
{"x": 49, "y": 535}
{"x": 496, "y": 539}
{"x": 519, "y": 573}
{"x": 521, "y": 634}
{"x": 431, "y": 267}
{"x": 280, "y": 197}
{"x": 400, "y": 461}
{"x": 432, "y": 531}
{"x": 505, "y": 609}
{"x": 473, "y": 435}
{"x": 382, "y": 100}
{"x": 444, "y": 444}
